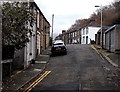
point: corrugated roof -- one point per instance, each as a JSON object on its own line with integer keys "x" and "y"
{"x": 104, "y": 28}
{"x": 114, "y": 26}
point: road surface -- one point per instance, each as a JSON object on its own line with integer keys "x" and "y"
{"x": 81, "y": 69}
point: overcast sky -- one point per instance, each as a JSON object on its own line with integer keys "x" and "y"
{"x": 66, "y": 12}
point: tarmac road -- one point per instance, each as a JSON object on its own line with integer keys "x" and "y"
{"x": 81, "y": 69}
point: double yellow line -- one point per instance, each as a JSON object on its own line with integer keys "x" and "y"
{"x": 37, "y": 81}
{"x": 97, "y": 52}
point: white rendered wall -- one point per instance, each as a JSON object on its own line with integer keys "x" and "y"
{"x": 91, "y": 34}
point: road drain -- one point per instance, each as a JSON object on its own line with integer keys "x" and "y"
{"x": 41, "y": 62}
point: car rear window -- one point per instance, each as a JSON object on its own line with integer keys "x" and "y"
{"x": 58, "y": 44}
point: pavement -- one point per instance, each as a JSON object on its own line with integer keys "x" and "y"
{"x": 112, "y": 58}
{"x": 20, "y": 78}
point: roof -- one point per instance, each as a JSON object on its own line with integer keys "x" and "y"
{"x": 104, "y": 28}
{"x": 94, "y": 24}
{"x": 111, "y": 28}
{"x": 39, "y": 11}
{"x": 90, "y": 24}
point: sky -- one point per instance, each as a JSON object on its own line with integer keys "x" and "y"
{"x": 66, "y": 12}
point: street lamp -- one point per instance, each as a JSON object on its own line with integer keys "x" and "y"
{"x": 52, "y": 27}
{"x": 101, "y": 25}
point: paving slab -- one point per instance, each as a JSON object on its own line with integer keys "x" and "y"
{"x": 112, "y": 58}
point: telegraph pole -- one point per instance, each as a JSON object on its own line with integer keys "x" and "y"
{"x": 101, "y": 24}
{"x": 52, "y": 27}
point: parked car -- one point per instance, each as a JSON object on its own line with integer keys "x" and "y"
{"x": 58, "y": 48}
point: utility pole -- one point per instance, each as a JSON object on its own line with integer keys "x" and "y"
{"x": 101, "y": 25}
{"x": 52, "y": 28}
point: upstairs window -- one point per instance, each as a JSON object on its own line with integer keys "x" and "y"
{"x": 87, "y": 30}
{"x": 83, "y": 31}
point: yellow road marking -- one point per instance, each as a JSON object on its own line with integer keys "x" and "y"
{"x": 107, "y": 58}
{"x": 37, "y": 81}
{"x": 97, "y": 51}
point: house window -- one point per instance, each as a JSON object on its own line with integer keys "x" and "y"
{"x": 68, "y": 35}
{"x": 83, "y": 32}
{"x": 38, "y": 19}
{"x": 76, "y": 33}
{"x": 73, "y": 34}
{"x": 87, "y": 30}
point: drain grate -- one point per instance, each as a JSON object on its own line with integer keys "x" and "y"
{"x": 41, "y": 62}
{"x": 38, "y": 70}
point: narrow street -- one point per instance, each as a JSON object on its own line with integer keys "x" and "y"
{"x": 81, "y": 69}
{"x": 35, "y": 31}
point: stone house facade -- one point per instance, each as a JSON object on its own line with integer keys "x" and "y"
{"x": 38, "y": 42}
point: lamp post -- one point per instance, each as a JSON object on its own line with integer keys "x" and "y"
{"x": 101, "y": 24}
{"x": 52, "y": 27}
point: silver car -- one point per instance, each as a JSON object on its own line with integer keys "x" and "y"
{"x": 58, "y": 48}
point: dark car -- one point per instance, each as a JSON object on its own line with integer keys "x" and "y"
{"x": 58, "y": 48}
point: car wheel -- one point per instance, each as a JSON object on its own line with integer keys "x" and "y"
{"x": 65, "y": 53}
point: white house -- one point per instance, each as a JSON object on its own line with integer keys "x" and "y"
{"x": 88, "y": 34}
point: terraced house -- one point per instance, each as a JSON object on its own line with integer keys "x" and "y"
{"x": 70, "y": 36}
{"x": 81, "y": 35}
{"x": 38, "y": 42}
